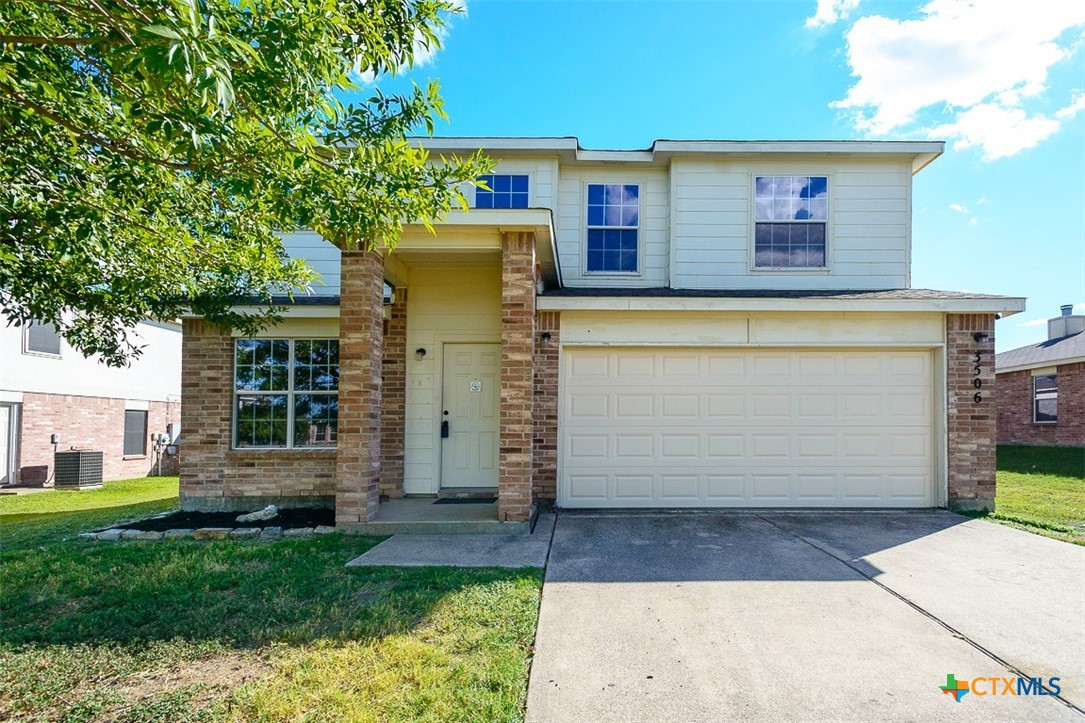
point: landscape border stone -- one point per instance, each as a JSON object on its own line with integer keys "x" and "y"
{"x": 114, "y": 534}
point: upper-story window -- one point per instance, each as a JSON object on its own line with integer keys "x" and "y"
{"x": 613, "y": 220}
{"x": 41, "y": 339}
{"x": 505, "y": 192}
{"x": 791, "y": 214}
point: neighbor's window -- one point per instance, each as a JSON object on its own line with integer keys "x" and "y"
{"x": 135, "y": 432}
{"x": 42, "y": 339}
{"x": 1045, "y": 399}
{"x": 613, "y": 219}
{"x": 791, "y": 215}
{"x": 286, "y": 392}
{"x": 505, "y": 192}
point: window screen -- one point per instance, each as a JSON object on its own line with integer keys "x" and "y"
{"x": 42, "y": 339}
{"x": 135, "y": 432}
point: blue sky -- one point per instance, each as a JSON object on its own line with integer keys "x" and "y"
{"x": 1003, "y": 81}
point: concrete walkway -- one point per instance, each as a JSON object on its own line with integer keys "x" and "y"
{"x": 815, "y": 616}
{"x": 463, "y": 549}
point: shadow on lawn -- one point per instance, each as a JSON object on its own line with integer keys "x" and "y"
{"x": 241, "y": 594}
{"x": 1063, "y": 461}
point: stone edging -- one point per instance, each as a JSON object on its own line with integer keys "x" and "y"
{"x": 205, "y": 533}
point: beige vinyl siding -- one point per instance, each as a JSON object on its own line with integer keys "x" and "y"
{"x": 571, "y": 224}
{"x": 868, "y": 246}
{"x": 444, "y": 304}
{"x": 321, "y": 255}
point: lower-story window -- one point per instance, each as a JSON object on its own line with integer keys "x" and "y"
{"x": 135, "y": 432}
{"x": 1045, "y": 399}
{"x": 286, "y": 392}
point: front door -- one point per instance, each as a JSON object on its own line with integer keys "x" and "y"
{"x": 469, "y": 416}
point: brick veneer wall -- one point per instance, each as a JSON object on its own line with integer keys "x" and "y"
{"x": 1015, "y": 425}
{"x": 517, "y": 382}
{"x": 970, "y": 425}
{"x": 95, "y": 423}
{"x": 361, "y": 347}
{"x": 545, "y": 441}
{"x": 214, "y": 477}
{"x": 394, "y": 398}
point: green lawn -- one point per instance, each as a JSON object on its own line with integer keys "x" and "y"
{"x": 244, "y": 630}
{"x": 1042, "y": 489}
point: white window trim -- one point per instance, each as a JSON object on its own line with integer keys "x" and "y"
{"x": 642, "y": 185}
{"x": 752, "y": 267}
{"x": 34, "y": 352}
{"x": 289, "y": 447}
{"x": 142, "y": 454}
{"x": 473, "y": 200}
{"x": 1034, "y": 400}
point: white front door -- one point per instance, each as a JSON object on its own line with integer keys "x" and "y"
{"x": 746, "y": 428}
{"x": 8, "y": 424}
{"x": 470, "y": 426}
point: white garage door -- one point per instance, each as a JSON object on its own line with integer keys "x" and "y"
{"x": 735, "y": 428}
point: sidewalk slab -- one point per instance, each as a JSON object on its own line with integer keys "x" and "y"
{"x": 463, "y": 549}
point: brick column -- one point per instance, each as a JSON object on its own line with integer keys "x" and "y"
{"x": 545, "y": 442}
{"x": 207, "y": 356}
{"x": 361, "y": 340}
{"x": 394, "y": 398}
{"x": 970, "y": 424}
{"x": 517, "y": 348}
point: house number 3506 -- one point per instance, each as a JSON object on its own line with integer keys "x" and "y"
{"x": 977, "y": 382}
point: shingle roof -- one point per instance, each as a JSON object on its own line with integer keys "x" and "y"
{"x": 661, "y": 292}
{"x": 1047, "y": 352}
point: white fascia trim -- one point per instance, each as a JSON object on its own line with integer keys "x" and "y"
{"x": 295, "y": 312}
{"x": 952, "y": 306}
{"x": 11, "y": 397}
{"x": 505, "y": 219}
{"x": 1040, "y": 365}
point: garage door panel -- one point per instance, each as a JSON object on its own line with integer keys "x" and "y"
{"x": 682, "y": 427}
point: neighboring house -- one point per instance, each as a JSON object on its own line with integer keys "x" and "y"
{"x": 699, "y": 324}
{"x": 1041, "y": 387}
{"x": 53, "y": 399}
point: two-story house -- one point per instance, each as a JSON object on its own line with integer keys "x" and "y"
{"x": 699, "y": 324}
{"x": 54, "y": 399}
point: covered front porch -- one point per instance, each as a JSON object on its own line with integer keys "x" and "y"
{"x": 436, "y": 378}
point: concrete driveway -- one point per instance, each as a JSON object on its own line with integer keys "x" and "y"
{"x": 811, "y": 616}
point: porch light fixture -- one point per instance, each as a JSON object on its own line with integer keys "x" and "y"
{"x": 544, "y": 338}
{"x": 420, "y": 353}
{"x": 981, "y": 336}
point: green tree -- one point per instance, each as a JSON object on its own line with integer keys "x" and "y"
{"x": 154, "y": 148}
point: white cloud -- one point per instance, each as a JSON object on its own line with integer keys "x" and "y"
{"x": 981, "y": 62}
{"x": 973, "y": 221}
{"x": 958, "y": 208}
{"x": 829, "y": 11}
{"x": 1080, "y": 306}
{"x": 1001, "y": 131}
{"x": 1033, "y": 322}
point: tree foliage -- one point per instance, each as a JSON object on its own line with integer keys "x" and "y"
{"x": 154, "y": 148}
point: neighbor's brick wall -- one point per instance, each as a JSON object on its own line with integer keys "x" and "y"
{"x": 517, "y": 382}
{"x": 361, "y": 342}
{"x": 1015, "y": 425}
{"x": 95, "y": 423}
{"x": 215, "y": 477}
{"x": 970, "y": 426}
{"x": 394, "y": 397}
{"x": 545, "y": 442}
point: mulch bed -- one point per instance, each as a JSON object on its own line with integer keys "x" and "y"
{"x": 286, "y": 519}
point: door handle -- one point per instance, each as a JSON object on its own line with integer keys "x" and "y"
{"x": 444, "y": 429}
